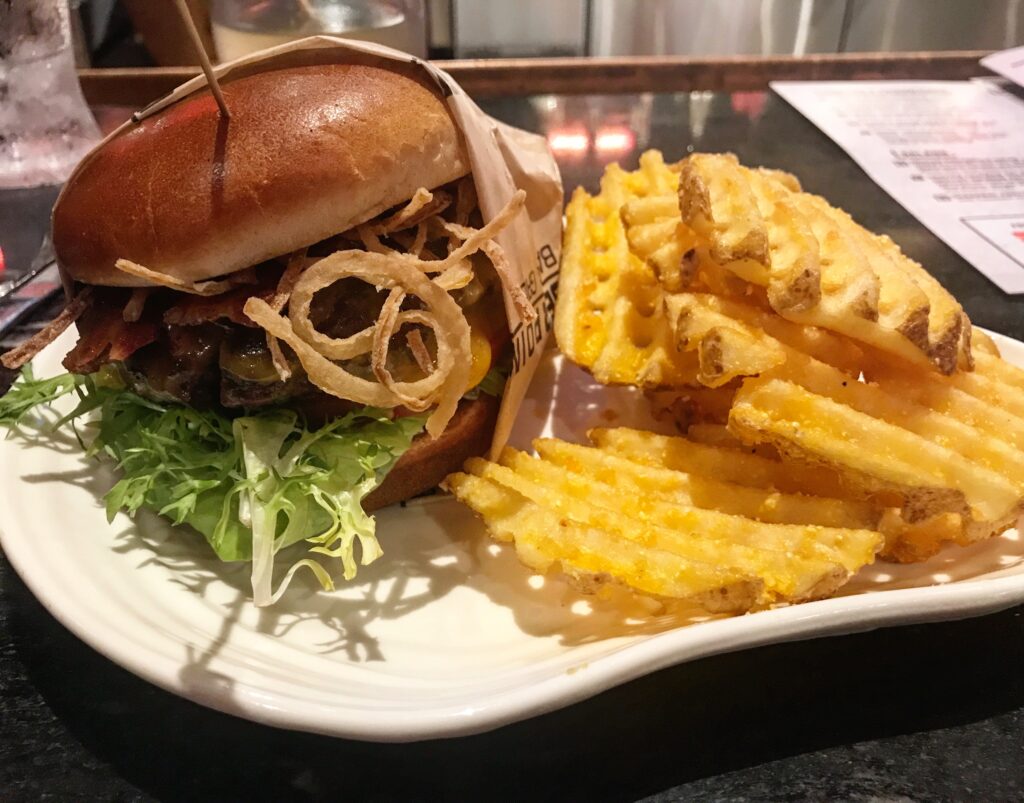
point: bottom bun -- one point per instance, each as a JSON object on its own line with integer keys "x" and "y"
{"x": 429, "y": 460}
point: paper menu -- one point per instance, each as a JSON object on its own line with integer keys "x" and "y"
{"x": 1008, "y": 63}
{"x": 950, "y": 152}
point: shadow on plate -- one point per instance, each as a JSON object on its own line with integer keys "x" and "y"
{"x": 411, "y": 576}
{"x": 890, "y": 713}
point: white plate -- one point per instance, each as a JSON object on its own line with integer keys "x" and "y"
{"x": 446, "y": 635}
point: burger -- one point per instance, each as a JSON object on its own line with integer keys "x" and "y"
{"x": 287, "y": 317}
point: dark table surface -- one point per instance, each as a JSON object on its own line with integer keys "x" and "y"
{"x": 931, "y": 712}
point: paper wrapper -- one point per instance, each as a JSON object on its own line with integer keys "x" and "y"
{"x": 503, "y": 160}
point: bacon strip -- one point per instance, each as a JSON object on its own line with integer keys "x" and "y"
{"x": 191, "y": 310}
{"x": 501, "y": 266}
{"x": 24, "y": 352}
{"x": 105, "y": 336}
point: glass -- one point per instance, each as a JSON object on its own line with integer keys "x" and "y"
{"x": 245, "y": 26}
{"x": 45, "y": 129}
{"x": 45, "y": 125}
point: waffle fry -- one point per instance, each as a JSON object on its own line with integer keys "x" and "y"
{"x": 719, "y": 435}
{"x": 981, "y": 342}
{"x": 681, "y": 454}
{"x": 609, "y": 317}
{"x": 760, "y": 226}
{"x": 972, "y": 438}
{"x": 826, "y": 383}
{"x": 692, "y": 313}
{"x": 948, "y": 452}
{"x": 650, "y": 481}
{"x": 656, "y": 234}
{"x": 775, "y": 547}
{"x": 748, "y": 226}
{"x": 734, "y": 339}
{"x": 591, "y": 556}
{"x": 819, "y": 266}
{"x": 945, "y": 469}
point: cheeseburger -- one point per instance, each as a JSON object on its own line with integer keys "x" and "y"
{"x": 286, "y": 318}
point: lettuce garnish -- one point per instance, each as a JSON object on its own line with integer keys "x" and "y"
{"x": 252, "y": 485}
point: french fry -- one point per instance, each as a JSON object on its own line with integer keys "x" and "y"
{"x": 718, "y": 435}
{"x": 819, "y": 267}
{"x": 871, "y": 454}
{"x": 644, "y": 481}
{"x": 999, "y": 370}
{"x": 725, "y": 348}
{"x": 983, "y": 343}
{"x": 656, "y": 234}
{"x": 717, "y": 202}
{"x": 901, "y": 306}
{"x": 747, "y": 469}
{"x": 591, "y": 556}
{"x": 609, "y": 316}
{"x": 794, "y": 562}
{"x": 711, "y": 434}
{"x": 843, "y": 371}
{"x": 994, "y": 383}
{"x": 912, "y": 542}
{"x": 818, "y": 343}
{"x": 946, "y": 319}
{"x": 936, "y": 427}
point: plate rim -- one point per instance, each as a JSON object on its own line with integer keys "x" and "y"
{"x": 871, "y": 610}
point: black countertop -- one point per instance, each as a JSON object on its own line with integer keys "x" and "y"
{"x": 931, "y": 712}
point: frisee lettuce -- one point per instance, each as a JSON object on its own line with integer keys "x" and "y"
{"x": 251, "y": 485}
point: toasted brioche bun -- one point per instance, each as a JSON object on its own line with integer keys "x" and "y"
{"x": 429, "y": 460}
{"x": 308, "y": 152}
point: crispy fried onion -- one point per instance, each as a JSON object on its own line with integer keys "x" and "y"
{"x": 296, "y": 264}
{"x": 416, "y": 244}
{"x": 210, "y": 288}
{"x": 501, "y": 266}
{"x": 23, "y": 352}
{"x": 403, "y": 275}
{"x": 385, "y": 329}
{"x": 136, "y": 304}
{"x": 371, "y": 241}
{"x": 423, "y": 204}
{"x": 315, "y": 350}
{"x": 419, "y": 351}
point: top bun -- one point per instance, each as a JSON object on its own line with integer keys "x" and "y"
{"x": 308, "y": 152}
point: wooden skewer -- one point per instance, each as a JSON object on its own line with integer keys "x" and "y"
{"x": 204, "y": 59}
